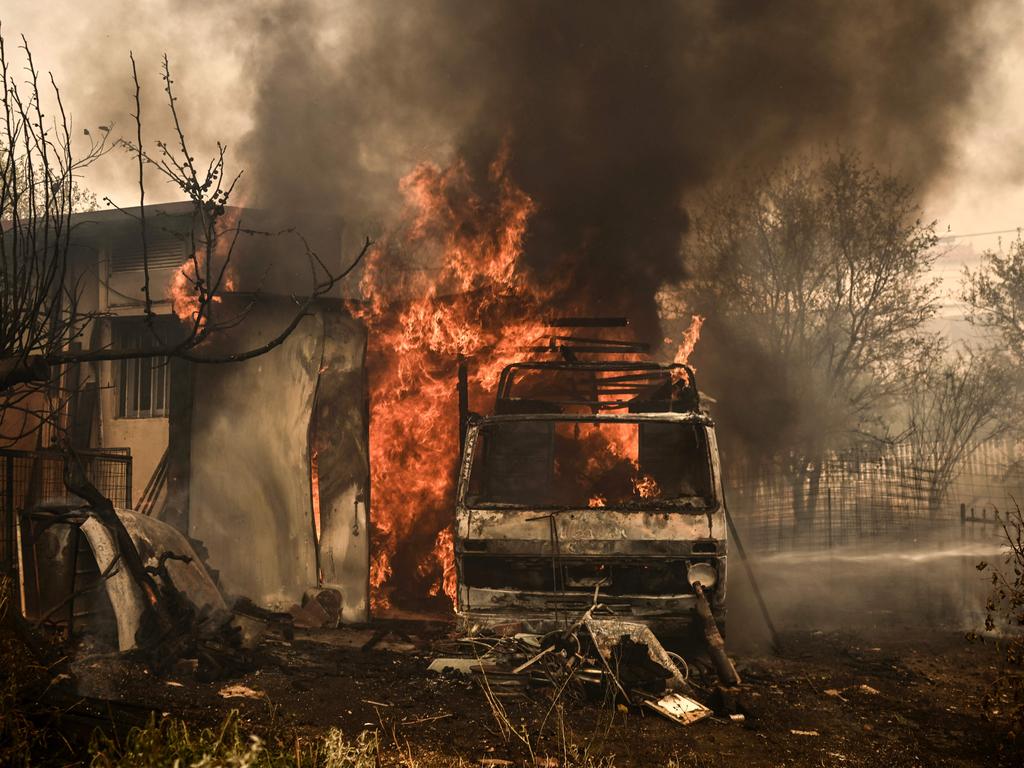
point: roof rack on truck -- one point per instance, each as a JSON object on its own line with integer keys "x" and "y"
{"x": 574, "y": 383}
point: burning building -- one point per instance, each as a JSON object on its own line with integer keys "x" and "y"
{"x": 263, "y": 464}
{"x": 270, "y": 464}
{"x": 555, "y": 157}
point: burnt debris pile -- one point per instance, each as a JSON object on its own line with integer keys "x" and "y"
{"x": 598, "y": 658}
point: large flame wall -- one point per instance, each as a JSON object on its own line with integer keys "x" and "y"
{"x": 470, "y": 298}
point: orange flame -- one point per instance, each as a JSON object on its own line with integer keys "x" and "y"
{"x": 188, "y": 290}
{"x": 646, "y": 487}
{"x": 470, "y": 297}
{"x": 420, "y": 322}
{"x": 443, "y": 552}
{"x": 690, "y": 338}
{"x": 314, "y": 477}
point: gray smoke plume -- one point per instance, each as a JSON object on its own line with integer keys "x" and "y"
{"x": 614, "y": 113}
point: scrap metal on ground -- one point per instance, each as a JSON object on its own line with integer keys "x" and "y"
{"x": 598, "y": 657}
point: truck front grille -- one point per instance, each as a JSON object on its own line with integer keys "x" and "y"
{"x": 543, "y": 574}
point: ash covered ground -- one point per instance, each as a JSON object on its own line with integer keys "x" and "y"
{"x": 878, "y": 682}
{"x": 901, "y": 696}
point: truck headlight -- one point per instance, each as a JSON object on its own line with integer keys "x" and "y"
{"x": 704, "y": 573}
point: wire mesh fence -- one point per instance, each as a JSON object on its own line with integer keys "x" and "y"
{"x": 879, "y": 496}
{"x": 29, "y": 478}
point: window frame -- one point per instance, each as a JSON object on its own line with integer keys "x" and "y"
{"x": 142, "y": 383}
{"x": 698, "y": 423}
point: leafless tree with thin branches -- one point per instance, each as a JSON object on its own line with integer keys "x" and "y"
{"x": 41, "y": 305}
{"x": 958, "y": 402}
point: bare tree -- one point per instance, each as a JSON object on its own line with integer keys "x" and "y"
{"x": 821, "y": 272}
{"x": 956, "y": 404}
{"x": 38, "y": 307}
{"x": 41, "y": 315}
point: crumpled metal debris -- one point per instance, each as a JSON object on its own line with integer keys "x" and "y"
{"x": 597, "y": 651}
{"x": 608, "y": 634}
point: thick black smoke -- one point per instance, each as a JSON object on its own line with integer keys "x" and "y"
{"x": 615, "y": 113}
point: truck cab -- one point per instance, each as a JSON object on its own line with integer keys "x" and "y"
{"x": 592, "y": 480}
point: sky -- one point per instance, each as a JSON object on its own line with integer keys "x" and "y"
{"x": 980, "y": 191}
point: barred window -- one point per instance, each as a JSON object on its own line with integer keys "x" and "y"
{"x": 143, "y": 384}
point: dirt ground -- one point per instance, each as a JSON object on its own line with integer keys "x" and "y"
{"x": 905, "y": 697}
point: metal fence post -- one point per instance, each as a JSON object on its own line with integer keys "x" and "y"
{"x": 12, "y": 531}
{"x": 964, "y": 562}
{"x": 128, "y": 483}
{"x": 829, "y": 499}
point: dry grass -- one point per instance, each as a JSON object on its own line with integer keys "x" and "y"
{"x": 171, "y": 742}
{"x": 21, "y": 740}
{"x": 1005, "y": 623}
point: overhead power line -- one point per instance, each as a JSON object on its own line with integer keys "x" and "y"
{"x": 980, "y": 234}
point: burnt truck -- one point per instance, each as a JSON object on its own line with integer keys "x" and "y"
{"x": 592, "y": 481}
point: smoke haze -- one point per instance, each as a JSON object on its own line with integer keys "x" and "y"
{"x": 614, "y": 113}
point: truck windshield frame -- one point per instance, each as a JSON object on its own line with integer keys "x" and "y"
{"x": 611, "y": 462}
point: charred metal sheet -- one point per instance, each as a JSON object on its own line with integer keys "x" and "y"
{"x": 151, "y": 538}
{"x": 154, "y": 537}
{"x": 125, "y": 596}
{"x": 599, "y": 548}
{"x": 545, "y": 611}
{"x": 616, "y": 577}
{"x": 579, "y": 530}
{"x": 250, "y": 493}
{"x": 607, "y": 633}
{"x": 340, "y": 435}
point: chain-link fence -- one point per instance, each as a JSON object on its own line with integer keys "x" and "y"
{"x": 877, "y": 496}
{"x": 29, "y": 478}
